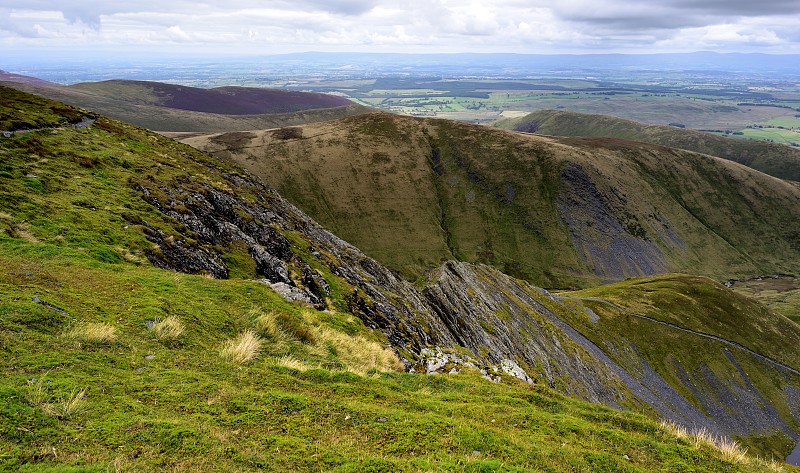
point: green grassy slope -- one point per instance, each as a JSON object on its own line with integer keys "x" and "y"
{"x": 136, "y": 103}
{"x": 74, "y": 257}
{"x": 557, "y": 212}
{"x": 40, "y": 113}
{"x": 706, "y": 371}
{"x": 773, "y": 159}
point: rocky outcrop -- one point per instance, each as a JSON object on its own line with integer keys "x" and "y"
{"x": 465, "y": 316}
{"x": 502, "y": 319}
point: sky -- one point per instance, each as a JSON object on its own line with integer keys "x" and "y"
{"x": 419, "y": 26}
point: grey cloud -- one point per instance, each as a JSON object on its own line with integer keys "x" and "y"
{"x": 635, "y": 23}
{"x": 626, "y": 16}
{"x": 344, "y": 7}
{"x": 451, "y": 24}
{"x": 729, "y": 8}
{"x": 88, "y": 18}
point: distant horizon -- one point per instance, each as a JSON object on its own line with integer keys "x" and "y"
{"x": 210, "y": 68}
{"x": 30, "y": 57}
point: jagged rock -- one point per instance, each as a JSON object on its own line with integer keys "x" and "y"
{"x": 288, "y": 292}
{"x": 179, "y": 255}
{"x": 485, "y": 310}
{"x": 270, "y": 266}
{"x": 437, "y": 360}
{"x": 466, "y": 316}
{"x": 513, "y": 369}
{"x": 315, "y": 284}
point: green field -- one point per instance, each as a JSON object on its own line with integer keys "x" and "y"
{"x": 781, "y": 294}
{"x": 677, "y": 100}
{"x": 775, "y": 135}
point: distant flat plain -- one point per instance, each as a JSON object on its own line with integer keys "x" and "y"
{"x": 756, "y": 110}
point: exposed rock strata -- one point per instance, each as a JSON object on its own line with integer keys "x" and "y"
{"x": 465, "y": 316}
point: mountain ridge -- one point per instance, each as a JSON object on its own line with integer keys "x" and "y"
{"x": 171, "y": 108}
{"x": 559, "y": 212}
{"x": 92, "y": 210}
{"x": 774, "y": 159}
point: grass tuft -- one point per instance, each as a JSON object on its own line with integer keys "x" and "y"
{"x": 730, "y": 450}
{"x": 266, "y": 324}
{"x": 62, "y": 408}
{"x": 169, "y": 330}
{"x": 36, "y": 395}
{"x": 289, "y": 361}
{"x": 94, "y": 334}
{"x": 296, "y": 327}
{"x": 245, "y": 347}
{"x": 357, "y": 354}
{"x": 67, "y": 407}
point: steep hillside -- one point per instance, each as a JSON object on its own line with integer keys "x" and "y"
{"x": 172, "y": 108}
{"x": 558, "y": 212}
{"x": 281, "y": 348}
{"x": 770, "y": 158}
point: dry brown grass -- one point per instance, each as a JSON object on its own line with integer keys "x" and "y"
{"x": 729, "y": 450}
{"x": 358, "y": 354}
{"x": 243, "y": 348}
{"x": 289, "y": 361}
{"x": 93, "y": 334}
{"x": 61, "y": 408}
{"x": 353, "y": 353}
{"x": 170, "y": 329}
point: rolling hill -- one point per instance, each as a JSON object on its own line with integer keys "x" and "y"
{"x": 22, "y": 79}
{"x": 222, "y": 100}
{"x": 174, "y": 108}
{"x": 770, "y": 158}
{"x": 163, "y": 309}
{"x": 559, "y": 212}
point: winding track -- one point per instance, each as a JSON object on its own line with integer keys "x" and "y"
{"x": 760, "y": 356}
{"x": 85, "y": 123}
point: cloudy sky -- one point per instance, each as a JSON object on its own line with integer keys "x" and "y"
{"x": 280, "y": 26}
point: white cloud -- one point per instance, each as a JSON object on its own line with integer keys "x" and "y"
{"x": 413, "y": 25}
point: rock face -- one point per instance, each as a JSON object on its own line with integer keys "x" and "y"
{"x": 487, "y": 312}
{"x": 611, "y": 241}
{"x": 465, "y": 316}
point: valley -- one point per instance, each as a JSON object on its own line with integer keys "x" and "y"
{"x": 476, "y": 330}
{"x": 559, "y": 212}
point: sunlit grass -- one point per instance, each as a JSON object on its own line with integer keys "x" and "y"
{"x": 168, "y": 330}
{"x": 93, "y": 334}
{"x": 243, "y": 348}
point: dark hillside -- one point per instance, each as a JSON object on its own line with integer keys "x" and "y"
{"x": 21, "y": 79}
{"x": 223, "y": 100}
{"x": 173, "y": 108}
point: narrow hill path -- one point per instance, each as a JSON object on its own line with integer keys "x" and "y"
{"x": 85, "y": 123}
{"x": 693, "y": 332}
